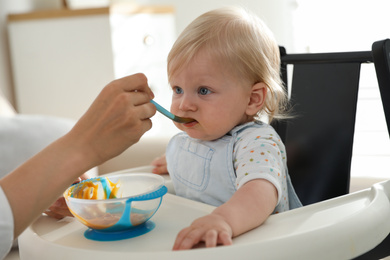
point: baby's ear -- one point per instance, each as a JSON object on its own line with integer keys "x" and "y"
{"x": 257, "y": 98}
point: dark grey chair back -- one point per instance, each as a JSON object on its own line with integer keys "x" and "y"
{"x": 319, "y": 136}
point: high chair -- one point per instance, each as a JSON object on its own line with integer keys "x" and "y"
{"x": 319, "y": 136}
{"x": 332, "y": 225}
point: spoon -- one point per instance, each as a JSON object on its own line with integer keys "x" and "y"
{"x": 170, "y": 115}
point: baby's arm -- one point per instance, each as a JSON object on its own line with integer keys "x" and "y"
{"x": 248, "y": 208}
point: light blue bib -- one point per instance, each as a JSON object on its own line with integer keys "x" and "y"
{"x": 203, "y": 170}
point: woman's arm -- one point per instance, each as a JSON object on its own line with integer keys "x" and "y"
{"x": 117, "y": 119}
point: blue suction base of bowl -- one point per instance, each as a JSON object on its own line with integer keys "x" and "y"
{"x": 136, "y": 231}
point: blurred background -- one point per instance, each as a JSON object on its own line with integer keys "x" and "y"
{"x": 56, "y": 55}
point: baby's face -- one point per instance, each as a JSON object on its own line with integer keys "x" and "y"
{"x": 206, "y": 91}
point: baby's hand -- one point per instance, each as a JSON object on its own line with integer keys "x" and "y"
{"x": 160, "y": 165}
{"x": 211, "y": 229}
{"x": 59, "y": 209}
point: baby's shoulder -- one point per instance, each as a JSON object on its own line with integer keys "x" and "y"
{"x": 258, "y": 135}
{"x": 257, "y": 131}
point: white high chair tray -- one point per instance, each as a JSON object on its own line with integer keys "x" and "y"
{"x": 341, "y": 228}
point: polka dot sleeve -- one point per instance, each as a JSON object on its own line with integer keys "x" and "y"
{"x": 260, "y": 154}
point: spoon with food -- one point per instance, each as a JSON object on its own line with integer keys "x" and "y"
{"x": 170, "y": 115}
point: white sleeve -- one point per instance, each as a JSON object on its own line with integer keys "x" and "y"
{"x": 6, "y": 225}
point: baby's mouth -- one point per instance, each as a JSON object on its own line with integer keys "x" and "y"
{"x": 190, "y": 124}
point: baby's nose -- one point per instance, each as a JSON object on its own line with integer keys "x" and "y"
{"x": 187, "y": 104}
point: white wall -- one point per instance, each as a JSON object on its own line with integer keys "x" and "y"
{"x": 300, "y": 26}
{"x": 334, "y": 25}
{"x": 8, "y": 7}
{"x": 276, "y": 13}
{"x": 352, "y": 25}
{"x": 5, "y": 72}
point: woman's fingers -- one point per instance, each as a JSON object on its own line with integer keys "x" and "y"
{"x": 137, "y": 82}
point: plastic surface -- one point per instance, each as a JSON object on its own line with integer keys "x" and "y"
{"x": 133, "y": 199}
{"x": 341, "y": 228}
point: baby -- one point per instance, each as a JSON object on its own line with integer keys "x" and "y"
{"x": 224, "y": 73}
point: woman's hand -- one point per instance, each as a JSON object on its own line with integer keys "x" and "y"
{"x": 117, "y": 119}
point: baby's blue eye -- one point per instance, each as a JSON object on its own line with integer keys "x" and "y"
{"x": 204, "y": 91}
{"x": 178, "y": 90}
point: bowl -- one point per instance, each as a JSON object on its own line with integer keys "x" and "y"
{"x": 117, "y": 206}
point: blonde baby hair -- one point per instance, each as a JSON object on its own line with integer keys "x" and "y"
{"x": 233, "y": 36}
